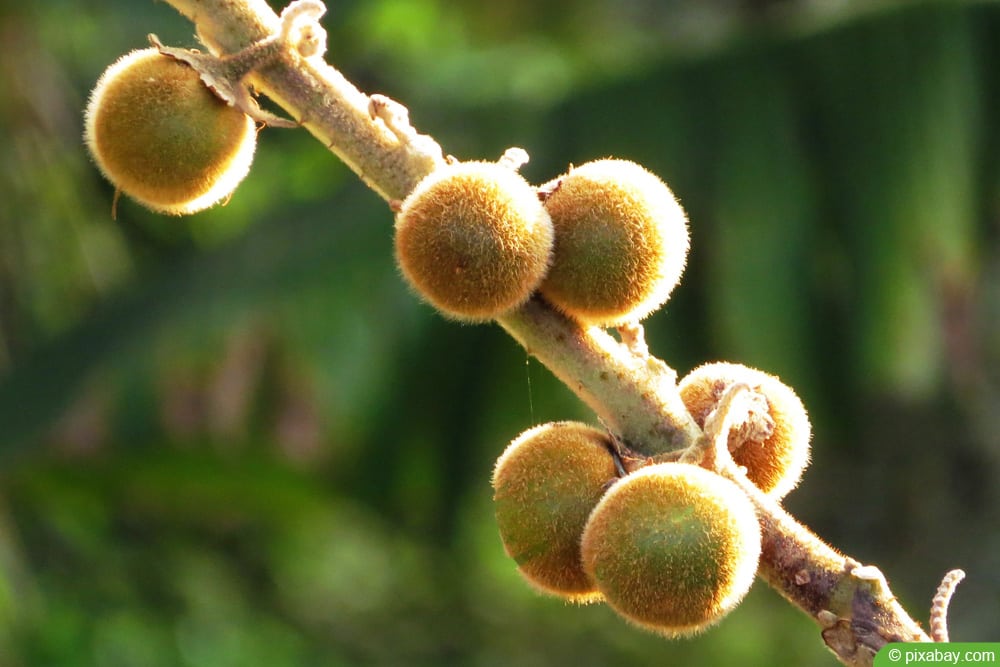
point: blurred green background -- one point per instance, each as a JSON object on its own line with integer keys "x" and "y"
{"x": 237, "y": 439}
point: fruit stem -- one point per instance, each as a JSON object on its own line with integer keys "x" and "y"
{"x": 634, "y": 396}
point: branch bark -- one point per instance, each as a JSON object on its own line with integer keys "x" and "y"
{"x": 632, "y": 392}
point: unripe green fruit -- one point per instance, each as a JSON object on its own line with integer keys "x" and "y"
{"x": 621, "y": 242}
{"x": 672, "y": 547}
{"x": 546, "y": 483}
{"x": 473, "y": 240}
{"x": 163, "y": 138}
{"x": 775, "y": 458}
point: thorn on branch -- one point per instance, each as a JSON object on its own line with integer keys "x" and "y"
{"x": 301, "y": 30}
{"x": 633, "y": 336}
{"x": 514, "y": 158}
{"x": 396, "y": 118}
{"x": 874, "y": 577}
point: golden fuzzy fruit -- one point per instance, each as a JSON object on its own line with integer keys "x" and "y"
{"x": 774, "y": 448}
{"x": 545, "y": 485}
{"x": 621, "y": 242}
{"x": 163, "y": 138}
{"x": 672, "y": 547}
{"x": 473, "y": 240}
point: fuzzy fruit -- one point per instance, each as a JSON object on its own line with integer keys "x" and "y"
{"x": 473, "y": 240}
{"x": 621, "y": 242}
{"x": 545, "y": 485}
{"x": 163, "y": 138}
{"x": 672, "y": 547}
{"x": 774, "y": 448}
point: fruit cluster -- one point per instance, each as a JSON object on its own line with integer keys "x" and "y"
{"x": 672, "y": 547}
{"x": 605, "y": 243}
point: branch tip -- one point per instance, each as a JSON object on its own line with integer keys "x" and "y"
{"x": 940, "y": 603}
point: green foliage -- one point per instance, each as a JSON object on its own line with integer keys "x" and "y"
{"x": 239, "y": 439}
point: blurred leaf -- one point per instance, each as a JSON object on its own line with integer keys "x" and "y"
{"x": 764, "y": 219}
{"x": 903, "y": 189}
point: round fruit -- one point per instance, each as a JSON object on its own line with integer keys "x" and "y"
{"x": 621, "y": 242}
{"x": 473, "y": 240}
{"x": 163, "y": 138}
{"x": 546, "y": 483}
{"x": 774, "y": 448}
{"x": 672, "y": 547}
